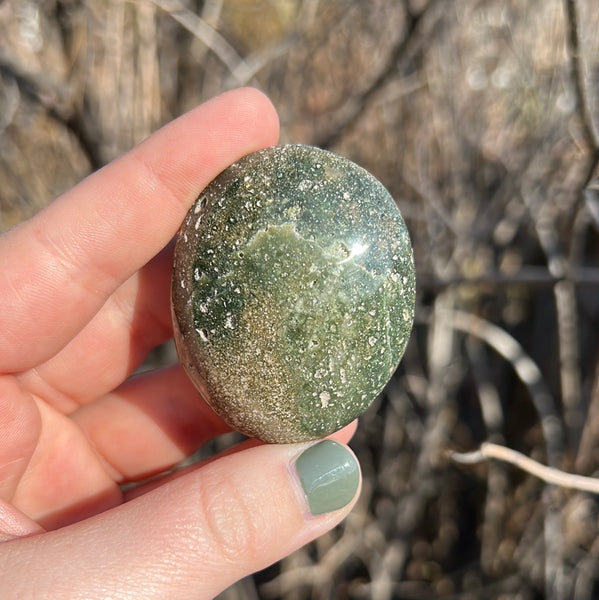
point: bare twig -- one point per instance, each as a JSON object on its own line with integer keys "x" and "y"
{"x": 526, "y": 369}
{"x": 589, "y": 131}
{"x": 550, "y": 475}
{"x": 12, "y": 97}
{"x": 360, "y": 103}
{"x": 52, "y": 98}
{"x": 590, "y": 433}
{"x": 440, "y": 419}
{"x": 545, "y": 222}
{"x": 208, "y": 36}
{"x": 564, "y": 293}
{"x": 529, "y": 276}
{"x": 497, "y": 480}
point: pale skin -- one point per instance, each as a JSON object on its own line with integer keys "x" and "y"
{"x": 84, "y": 291}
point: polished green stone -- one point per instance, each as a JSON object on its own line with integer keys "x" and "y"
{"x": 293, "y": 292}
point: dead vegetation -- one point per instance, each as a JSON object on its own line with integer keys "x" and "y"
{"x": 482, "y": 119}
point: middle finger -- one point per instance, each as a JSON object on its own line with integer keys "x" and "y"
{"x": 147, "y": 425}
{"x": 135, "y": 319}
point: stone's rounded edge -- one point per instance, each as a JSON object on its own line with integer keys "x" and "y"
{"x": 263, "y": 431}
{"x": 186, "y": 336}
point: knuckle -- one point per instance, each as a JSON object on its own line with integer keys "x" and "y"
{"x": 232, "y": 534}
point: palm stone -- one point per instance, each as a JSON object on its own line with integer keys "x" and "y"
{"x": 293, "y": 292}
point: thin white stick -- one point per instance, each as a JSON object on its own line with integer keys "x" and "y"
{"x": 205, "y": 33}
{"x": 488, "y": 450}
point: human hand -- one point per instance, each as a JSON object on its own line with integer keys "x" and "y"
{"x": 84, "y": 291}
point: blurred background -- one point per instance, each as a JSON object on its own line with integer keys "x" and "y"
{"x": 481, "y": 118}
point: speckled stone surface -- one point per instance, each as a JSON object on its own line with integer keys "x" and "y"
{"x": 293, "y": 292}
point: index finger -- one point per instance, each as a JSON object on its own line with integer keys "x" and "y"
{"x": 59, "y": 268}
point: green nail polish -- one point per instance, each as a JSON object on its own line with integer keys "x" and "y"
{"x": 329, "y": 475}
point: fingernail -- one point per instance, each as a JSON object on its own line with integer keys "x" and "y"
{"x": 329, "y": 475}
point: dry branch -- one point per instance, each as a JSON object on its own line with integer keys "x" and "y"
{"x": 577, "y": 67}
{"x": 208, "y": 36}
{"x": 526, "y": 369}
{"x": 360, "y": 104}
{"x": 550, "y": 475}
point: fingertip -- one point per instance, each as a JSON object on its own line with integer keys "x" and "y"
{"x": 345, "y": 434}
{"x": 16, "y": 524}
{"x": 248, "y": 122}
{"x": 261, "y": 110}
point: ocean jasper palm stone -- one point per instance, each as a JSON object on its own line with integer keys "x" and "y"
{"x": 293, "y": 292}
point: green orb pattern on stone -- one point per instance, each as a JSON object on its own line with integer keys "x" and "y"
{"x": 293, "y": 292}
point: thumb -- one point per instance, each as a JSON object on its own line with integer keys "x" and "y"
{"x": 197, "y": 534}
